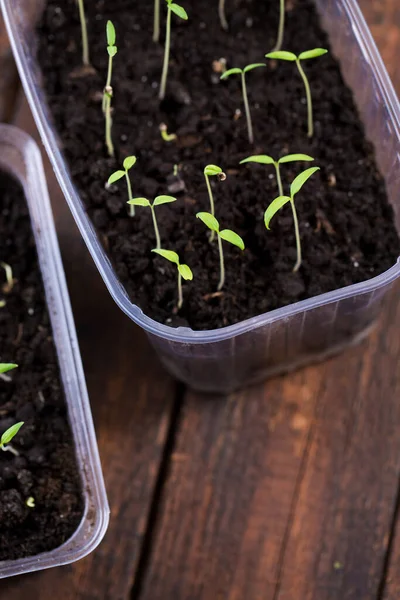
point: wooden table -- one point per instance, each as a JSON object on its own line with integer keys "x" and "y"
{"x": 287, "y": 491}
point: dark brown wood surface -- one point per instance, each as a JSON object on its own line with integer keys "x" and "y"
{"x": 287, "y": 491}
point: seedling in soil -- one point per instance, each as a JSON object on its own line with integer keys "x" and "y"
{"x": 108, "y": 91}
{"x": 184, "y": 271}
{"x": 182, "y": 14}
{"x": 156, "y": 25}
{"x": 222, "y": 15}
{"x": 156, "y": 202}
{"x": 30, "y": 502}
{"x": 279, "y": 202}
{"x": 9, "y": 435}
{"x": 227, "y": 235}
{"x": 167, "y": 137}
{"x": 264, "y": 159}
{"x": 8, "y": 286}
{"x": 117, "y": 175}
{"x": 281, "y": 29}
{"x": 243, "y": 72}
{"x": 210, "y": 171}
{"x": 85, "y": 43}
{"x": 289, "y": 56}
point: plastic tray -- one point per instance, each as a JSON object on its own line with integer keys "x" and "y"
{"x": 20, "y": 156}
{"x": 225, "y": 359}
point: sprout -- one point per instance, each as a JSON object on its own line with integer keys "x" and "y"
{"x": 264, "y": 159}
{"x": 209, "y": 171}
{"x": 156, "y": 24}
{"x": 181, "y": 13}
{"x": 157, "y": 201}
{"x": 227, "y": 235}
{"x": 85, "y": 44}
{"x": 281, "y": 28}
{"x": 282, "y": 200}
{"x": 222, "y": 16}
{"x": 9, "y": 278}
{"x": 183, "y": 270}
{"x": 243, "y": 72}
{"x": 167, "y": 137}
{"x": 5, "y": 367}
{"x": 289, "y": 56}
{"x": 30, "y": 502}
{"x": 108, "y": 91}
{"x": 7, "y": 436}
{"x": 128, "y": 164}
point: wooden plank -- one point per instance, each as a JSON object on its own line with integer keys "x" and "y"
{"x": 132, "y": 400}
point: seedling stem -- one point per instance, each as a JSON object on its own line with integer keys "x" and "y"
{"x": 222, "y": 15}
{"x": 156, "y": 27}
{"x": 156, "y": 202}
{"x": 281, "y": 29}
{"x": 85, "y": 44}
{"x": 108, "y": 90}
{"x": 128, "y": 163}
{"x": 180, "y": 12}
{"x": 183, "y": 270}
{"x": 209, "y": 171}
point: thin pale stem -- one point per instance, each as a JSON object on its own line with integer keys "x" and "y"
{"x": 221, "y": 265}
{"x": 180, "y": 295}
{"x": 212, "y": 208}
{"x": 222, "y": 15}
{"x": 156, "y": 26}
{"x": 85, "y": 43}
{"x": 309, "y": 99}
{"x": 247, "y": 109}
{"x": 281, "y": 29}
{"x": 108, "y": 82}
{"x": 108, "y": 125}
{"x": 156, "y": 231}
{"x": 297, "y": 233}
{"x": 164, "y": 76}
{"x": 128, "y": 185}
{"x": 11, "y": 449}
{"x": 278, "y": 178}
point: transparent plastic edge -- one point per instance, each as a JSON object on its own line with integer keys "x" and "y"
{"x": 95, "y": 519}
{"x": 183, "y": 334}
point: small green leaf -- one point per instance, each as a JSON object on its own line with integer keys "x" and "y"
{"x": 129, "y": 162}
{"x": 313, "y": 53}
{"x": 274, "y": 207}
{"x": 301, "y": 179}
{"x": 168, "y": 254}
{"x": 212, "y": 170}
{"x": 186, "y": 272}
{"x": 10, "y": 433}
{"x": 253, "y": 66}
{"x": 179, "y": 11}
{"x": 4, "y": 367}
{"x": 209, "y": 220}
{"x": 112, "y": 51}
{"x": 115, "y": 177}
{"x": 232, "y": 237}
{"x": 282, "y": 55}
{"x": 139, "y": 202}
{"x": 163, "y": 200}
{"x": 110, "y": 29}
{"x": 230, "y": 72}
{"x": 295, "y": 157}
{"x": 262, "y": 159}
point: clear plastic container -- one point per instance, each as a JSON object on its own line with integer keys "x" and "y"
{"x": 20, "y": 156}
{"x": 225, "y": 359}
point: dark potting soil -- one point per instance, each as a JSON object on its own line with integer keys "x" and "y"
{"x": 346, "y": 223}
{"x": 45, "y": 468}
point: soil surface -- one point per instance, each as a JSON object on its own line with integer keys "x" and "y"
{"x": 346, "y": 222}
{"x": 45, "y": 468}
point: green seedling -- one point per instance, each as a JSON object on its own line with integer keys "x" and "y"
{"x": 5, "y": 367}
{"x": 108, "y": 90}
{"x": 184, "y": 271}
{"x": 242, "y": 73}
{"x": 8, "y": 286}
{"x": 279, "y": 202}
{"x": 156, "y": 24}
{"x": 8, "y": 436}
{"x": 182, "y": 14}
{"x": 30, "y": 502}
{"x": 222, "y": 15}
{"x": 85, "y": 43}
{"x": 117, "y": 175}
{"x": 156, "y": 202}
{"x": 227, "y": 235}
{"x": 289, "y": 56}
{"x": 281, "y": 29}
{"x": 264, "y": 159}
{"x": 167, "y": 137}
{"x": 210, "y": 171}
